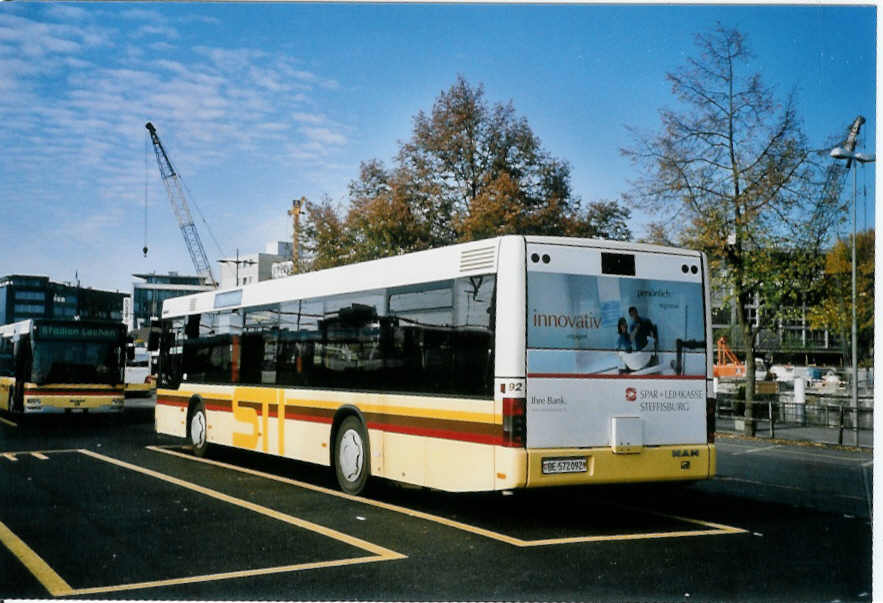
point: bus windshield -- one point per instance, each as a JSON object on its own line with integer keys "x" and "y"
{"x": 76, "y": 362}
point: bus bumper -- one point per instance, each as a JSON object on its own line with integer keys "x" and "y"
{"x": 604, "y": 466}
{"x": 61, "y": 404}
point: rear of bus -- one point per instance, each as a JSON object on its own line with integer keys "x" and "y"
{"x": 618, "y": 368}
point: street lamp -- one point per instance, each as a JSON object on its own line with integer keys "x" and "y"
{"x": 849, "y": 154}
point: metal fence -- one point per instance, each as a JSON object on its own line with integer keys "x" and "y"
{"x": 824, "y": 419}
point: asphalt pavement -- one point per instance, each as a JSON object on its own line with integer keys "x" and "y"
{"x": 102, "y": 507}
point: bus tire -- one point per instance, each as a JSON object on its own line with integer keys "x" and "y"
{"x": 197, "y": 429}
{"x": 351, "y": 454}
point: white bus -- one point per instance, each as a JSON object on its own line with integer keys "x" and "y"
{"x": 513, "y": 362}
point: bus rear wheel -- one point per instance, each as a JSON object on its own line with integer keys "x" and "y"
{"x": 351, "y": 456}
{"x": 197, "y": 429}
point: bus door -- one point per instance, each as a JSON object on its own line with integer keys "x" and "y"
{"x": 616, "y": 349}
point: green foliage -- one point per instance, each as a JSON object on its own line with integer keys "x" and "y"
{"x": 469, "y": 171}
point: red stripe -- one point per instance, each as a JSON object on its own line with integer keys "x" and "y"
{"x": 419, "y": 431}
{"x": 622, "y": 376}
{"x": 439, "y": 433}
{"x": 171, "y": 402}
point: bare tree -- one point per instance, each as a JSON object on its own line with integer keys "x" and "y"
{"x": 733, "y": 165}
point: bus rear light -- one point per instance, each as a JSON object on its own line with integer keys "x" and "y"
{"x": 514, "y": 422}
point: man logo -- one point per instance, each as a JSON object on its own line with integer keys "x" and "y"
{"x": 631, "y": 394}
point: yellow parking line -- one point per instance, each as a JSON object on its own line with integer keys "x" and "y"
{"x": 717, "y": 529}
{"x": 8, "y": 422}
{"x": 40, "y": 456}
{"x": 272, "y": 513}
{"x": 57, "y": 587}
{"x": 10, "y": 457}
{"x": 226, "y": 575}
{"x": 50, "y": 580}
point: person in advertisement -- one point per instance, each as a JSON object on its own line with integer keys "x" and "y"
{"x": 641, "y": 330}
{"x": 624, "y": 341}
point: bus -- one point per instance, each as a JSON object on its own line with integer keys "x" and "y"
{"x": 49, "y": 366}
{"x": 490, "y": 365}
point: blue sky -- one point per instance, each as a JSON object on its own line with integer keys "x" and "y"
{"x": 259, "y": 104}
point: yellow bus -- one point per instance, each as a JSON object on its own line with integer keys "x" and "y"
{"x": 513, "y": 362}
{"x": 51, "y": 366}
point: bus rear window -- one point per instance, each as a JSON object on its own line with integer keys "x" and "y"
{"x": 582, "y": 312}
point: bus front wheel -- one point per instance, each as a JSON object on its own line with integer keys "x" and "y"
{"x": 351, "y": 456}
{"x": 197, "y": 429}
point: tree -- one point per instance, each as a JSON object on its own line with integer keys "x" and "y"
{"x": 735, "y": 167}
{"x": 469, "y": 171}
{"x": 834, "y": 309}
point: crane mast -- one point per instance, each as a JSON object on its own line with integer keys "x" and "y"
{"x": 175, "y": 191}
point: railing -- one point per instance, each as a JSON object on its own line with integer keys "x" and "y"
{"x": 825, "y": 419}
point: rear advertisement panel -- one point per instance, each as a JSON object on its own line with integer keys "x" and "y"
{"x": 604, "y": 347}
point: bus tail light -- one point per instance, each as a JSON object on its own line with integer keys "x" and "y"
{"x": 514, "y": 422}
{"x": 710, "y": 417}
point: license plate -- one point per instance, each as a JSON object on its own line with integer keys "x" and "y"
{"x": 565, "y": 465}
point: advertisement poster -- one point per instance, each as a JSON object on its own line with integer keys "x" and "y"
{"x": 604, "y": 348}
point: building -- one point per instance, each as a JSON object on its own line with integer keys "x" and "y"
{"x": 25, "y": 296}
{"x": 148, "y": 296}
{"x": 789, "y": 341}
{"x": 248, "y": 269}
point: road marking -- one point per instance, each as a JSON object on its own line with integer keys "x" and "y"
{"x": 272, "y": 513}
{"x": 10, "y": 457}
{"x": 57, "y": 587}
{"x": 753, "y": 450}
{"x": 781, "y": 486}
{"x": 50, "y": 580}
{"x": 40, "y": 456}
{"x": 229, "y": 575}
{"x": 716, "y": 529}
{"x": 8, "y": 422}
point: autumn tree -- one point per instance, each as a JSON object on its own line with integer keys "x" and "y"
{"x": 470, "y": 170}
{"x": 834, "y": 308}
{"x": 733, "y": 165}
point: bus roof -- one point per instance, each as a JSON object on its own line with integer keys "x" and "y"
{"x": 452, "y": 261}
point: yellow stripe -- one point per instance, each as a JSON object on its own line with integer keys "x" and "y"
{"x": 51, "y": 581}
{"x": 719, "y": 529}
{"x": 40, "y": 456}
{"x": 227, "y": 575}
{"x": 272, "y": 513}
{"x": 2, "y": 420}
{"x": 9, "y": 456}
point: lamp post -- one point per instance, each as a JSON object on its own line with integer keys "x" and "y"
{"x": 849, "y": 154}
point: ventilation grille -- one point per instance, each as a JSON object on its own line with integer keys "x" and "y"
{"x": 483, "y": 258}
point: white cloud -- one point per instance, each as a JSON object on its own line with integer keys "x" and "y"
{"x": 324, "y": 136}
{"x": 308, "y": 118}
{"x": 76, "y": 112}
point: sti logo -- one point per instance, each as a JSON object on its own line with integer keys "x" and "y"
{"x": 631, "y": 394}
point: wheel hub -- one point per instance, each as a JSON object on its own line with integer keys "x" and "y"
{"x": 351, "y": 453}
{"x": 197, "y": 429}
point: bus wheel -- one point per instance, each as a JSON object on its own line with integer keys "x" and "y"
{"x": 197, "y": 429}
{"x": 351, "y": 456}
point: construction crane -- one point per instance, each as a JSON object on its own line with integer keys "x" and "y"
{"x": 175, "y": 190}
